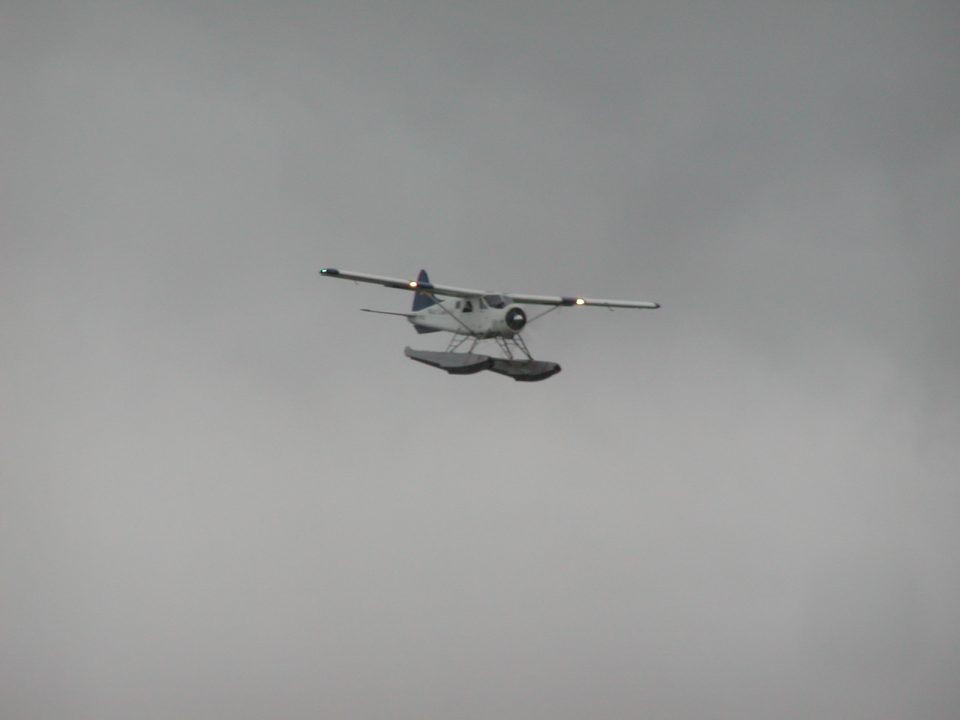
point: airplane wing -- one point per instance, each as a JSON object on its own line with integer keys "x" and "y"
{"x": 400, "y": 284}
{"x": 449, "y": 290}
{"x": 579, "y": 301}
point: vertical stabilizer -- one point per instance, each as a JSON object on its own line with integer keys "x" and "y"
{"x": 422, "y": 300}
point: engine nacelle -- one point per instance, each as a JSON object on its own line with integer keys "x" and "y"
{"x": 512, "y": 321}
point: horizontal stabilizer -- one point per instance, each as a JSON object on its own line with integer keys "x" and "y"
{"x": 386, "y": 312}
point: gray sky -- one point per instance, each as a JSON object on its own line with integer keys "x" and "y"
{"x": 224, "y": 492}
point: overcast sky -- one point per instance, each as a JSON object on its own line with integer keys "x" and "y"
{"x": 225, "y": 492}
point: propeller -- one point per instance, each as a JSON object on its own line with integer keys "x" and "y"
{"x": 515, "y": 318}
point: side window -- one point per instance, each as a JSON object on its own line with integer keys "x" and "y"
{"x": 459, "y": 304}
{"x": 467, "y": 306}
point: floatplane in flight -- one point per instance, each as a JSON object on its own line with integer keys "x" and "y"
{"x": 472, "y": 316}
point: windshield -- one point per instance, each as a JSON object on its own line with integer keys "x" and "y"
{"x": 495, "y": 301}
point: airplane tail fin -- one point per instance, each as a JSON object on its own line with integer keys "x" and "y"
{"x": 421, "y": 300}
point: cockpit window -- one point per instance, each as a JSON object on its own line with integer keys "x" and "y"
{"x": 495, "y": 301}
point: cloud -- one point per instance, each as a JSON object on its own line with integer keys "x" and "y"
{"x": 226, "y": 491}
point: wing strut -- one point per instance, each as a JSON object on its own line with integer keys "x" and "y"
{"x": 545, "y": 312}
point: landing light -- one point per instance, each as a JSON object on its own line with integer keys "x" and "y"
{"x": 412, "y": 283}
{"x": 580, "y": 301}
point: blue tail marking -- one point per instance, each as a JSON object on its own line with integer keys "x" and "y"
{"x": 421, "y": 301}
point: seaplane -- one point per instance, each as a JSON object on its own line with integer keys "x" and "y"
{"x": 474, "y": 316}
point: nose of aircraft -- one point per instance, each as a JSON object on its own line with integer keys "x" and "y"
{"x": 515, "y": 318}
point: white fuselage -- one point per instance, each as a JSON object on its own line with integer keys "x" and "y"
{"x": 481, "y": 317}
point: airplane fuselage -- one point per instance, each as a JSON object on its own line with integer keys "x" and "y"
{"x": 483, "y": 317}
